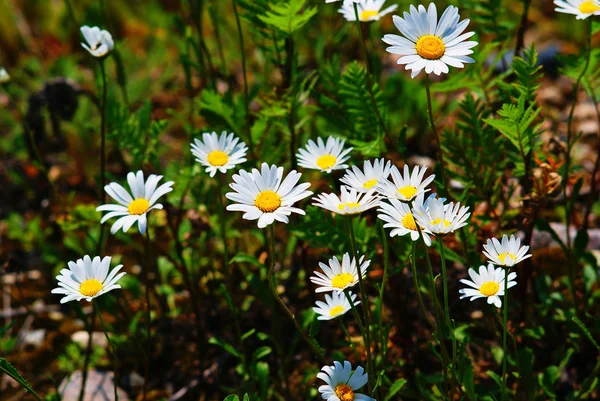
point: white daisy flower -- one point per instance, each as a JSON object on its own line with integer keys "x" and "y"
{"x": 87, "y": 279}
{"x": 134, "y": 209}
{"x": 429, "y": 44}
{"x": 398, "y": 216}
{"x": 99, "y": 42}
{"x": 341, "y": 383}
{"x": 219, "y": 153}
{"x": 488, "y": 283}
{"x": 336, "y": 277}
{"x": 263, "y": 195}
{"x": 508, "y": 253}
{"x": 368, "y": 10}
{"x": 4, "y": 77}
{"x": 324, "y": 156}
{"x": 580, "y": 8}
{"x": 335, "y": 305}
{"x": 369, "y": 177}
{"x": 350, "y": 201}
{"x": 405, "y": 187}
{"x": 441, "y": 219}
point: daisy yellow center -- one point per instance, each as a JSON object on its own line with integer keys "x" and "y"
{"x": 336, "y": 310}
{"x": 342, "y": 280}
{"x": 344, "y": 392}
{"x": 440, "y": 221}
{"x": 505, "y": 255}
{"x": 350, "y": 205}
{"x": 408, "y": 221}
{"x": 366, "y": 14}
{"x": 326, "y": 161}
{"x": 489, "y": 288}
{"x": 218, "y": 158}
{"x": 267, "y": 201}
{"x": 408, "y": 191}
{"x": 90, "y": 287}
{"x": 370, "y": 184}
{"x": 588, "y": 7}
{"x": 138, "y": 206}
{"x": 430, "y": 47}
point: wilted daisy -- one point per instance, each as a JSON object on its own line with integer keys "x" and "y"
{"x": 341, "y": 383}
{"x": 429, "y": 44}
{"x": 367, "y": 178}
{"x": 508, "y": 253}
{"x": 99, "y": 42}
{"x": 324, "y": 156}
{"x": 405, "y": 187}
{"x": 441, "y": 219}
{"x": 4, "y": 77}
{"x": 134, "y": 209}
{"x": 336, "y": 277}
{"x": 349, "y": 202}
{"x": 368, "y": 10}
{"x": 265, "y": 195}
{"x": 219, "y": 153}
{"x": 87, "y": 279}
{"x": 580, "y": 8}
{"x": 488, "y": 283}
{"x": 335, "y": 305}
{"x": 398, "y": 216}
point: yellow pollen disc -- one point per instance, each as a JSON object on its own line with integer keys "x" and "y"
{"x": 267, "y": 201}
{"x": 366, "y": 14}
{"x": 90, "y": 287}
{"x": 430, "y": 47}
{"x": 370, "y": 184}
{"x": 326, "y": 161}
{"x": 489, "y": 288}
{"x": 342, "y": 280}
{"x": 336, "y": 310}
{"x": 344, "y": 392}
{"x": 408, "y": 191}
{"x": 439, "y": 221}
{"x": 588, "y": 7}
{"x": 218, "y": 158}
{"x": 138, "y": 206}
{"x": 350, "y": 205}
{"x": 505, "y": 255}
{"x": 409, "y": 223}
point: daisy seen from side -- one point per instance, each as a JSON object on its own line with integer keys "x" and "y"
{"x": 489, "y": 283}
{"x": 219, "y": 152}
{"x": 441, "y": 219}
{"x": 350, "y": 201}
{"x": 338, "y": 276}
{"x": 368, "y": 10}
{"x": 507, "y": 253}
{"x": 370, "y": 175}
{"x": 405, "y": 187}
{"x": 324, "y": 156}
{"x": 132, "y": 209}
{"x": 87, "y": 279}
{"x": 335, "y": 305}
{"x": 99, "y": 42}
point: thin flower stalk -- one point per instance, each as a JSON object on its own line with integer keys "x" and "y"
{"x": 112, "y": 347}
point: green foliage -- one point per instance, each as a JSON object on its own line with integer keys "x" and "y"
{"x": 11, "y": 371}
{"x": 288, "y": 16}
{"x": 73, "y": 357}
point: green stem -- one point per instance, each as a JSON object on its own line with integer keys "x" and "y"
{"x": 345, "y": 330}
{"x": 270, "y": 276}
{"x": 568, "y": 208}
{"x": 88, "y": 354}
{"x": 437, "y": 136}
{"x": 413, "y": 263}
{"x": 369, "y": 71}
{"x": 386, "y": 262}
{"x": 505, "y": 327}
{"x": 246, "y": 96}
{"x": 148, "y": 317}
{"x": 365, "y": 302}
{"x": 102, "y": 153}
{"x": 447, "y": 314}
{"x": 112, "y": 347}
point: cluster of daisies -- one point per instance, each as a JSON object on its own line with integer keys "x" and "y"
{"x": 267, "y": 195}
